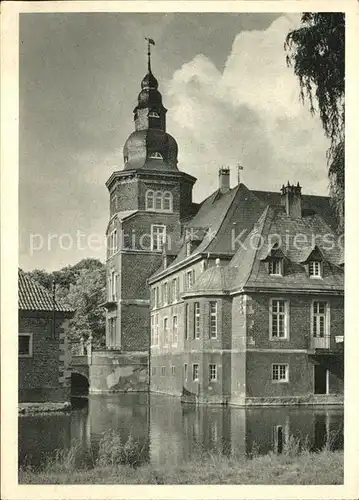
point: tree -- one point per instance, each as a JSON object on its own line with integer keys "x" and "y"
{"x": 83, "y": 287}
{"x": 316, "y": 53}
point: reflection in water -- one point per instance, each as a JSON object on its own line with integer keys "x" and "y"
{"x": 169, "y": 431}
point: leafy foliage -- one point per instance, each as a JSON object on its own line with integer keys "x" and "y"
{"x": 316, "y": 51}
{"x": 83, "y": 287}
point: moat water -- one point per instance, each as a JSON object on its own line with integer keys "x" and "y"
{"x": 169, "y": 431}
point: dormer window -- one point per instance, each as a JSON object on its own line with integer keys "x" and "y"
{"x": 155, "y": 156}
{"x": 153, "y": 114}
{"x": 275, "y": 267}
{"x": 315, "y": 269}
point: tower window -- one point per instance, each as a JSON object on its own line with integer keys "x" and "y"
{"x": 157, "y": 200}
{"x": 153, "y": 114}
{"x": 155, "y": 156}
{"x": 150, "y": 200}
{"x": 158, "y": 236}
{"x": 167, "y": 201}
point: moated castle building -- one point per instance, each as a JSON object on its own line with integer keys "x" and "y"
{"x": 195, "y": 307}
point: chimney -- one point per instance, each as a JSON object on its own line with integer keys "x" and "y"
{"x": 292, "y": 200}
{"x": 224, "y": 180}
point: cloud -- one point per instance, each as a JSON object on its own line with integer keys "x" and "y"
{"x": 249, "y": 113}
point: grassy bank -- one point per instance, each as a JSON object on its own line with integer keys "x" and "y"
{"x": 314, "y": 468}
{"x": 296, "y": 465}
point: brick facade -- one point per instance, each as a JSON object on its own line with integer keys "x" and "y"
{"x": 212, "y": 339}
{"x": 45, "y": 376}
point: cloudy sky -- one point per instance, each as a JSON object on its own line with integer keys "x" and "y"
{"x": 229, "y": 94}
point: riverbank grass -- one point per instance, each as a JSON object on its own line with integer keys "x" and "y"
{"x": 119, "y": 463}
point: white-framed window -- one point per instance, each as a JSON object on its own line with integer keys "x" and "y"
{"x": 157, "y": 330}
{"x": 187, "y": 321}
{"x": 153, "y": 328}
{"x": 213, "y": 319}
{"x": 315, "y": 269}
{"x": 113, "y": 242}
{"x": 279, "y": 319}
{"x": 157, "y": 298}
{"x": 150, "y": 200}
{"x": 165, "y": 293}
{"x": 25, "y": 345}
{"x": 175, "y": 289}
{"x": 153, "y": 371}
{"x": 275, "y": 267}
{"x": 189, "y": 279}
{"x": 158, "y": 237}
{"x": 163, "y": 371}
{"x": 174, "y": 330}
{"x": 155, "y": 155}
{"x": 212, "y": 371}
{"x": 280, "y": 372}
{"x": 197, "y": 320}
{"x": 153, "y": 114}
{"x": 167, "y": 201}
{"x": 320, "y": 319}
{"x": 158, "y": 200}
{"x": 113, "y": 285}
{"x": 165, "y": 332}
{"x": 173, "y": 370}
{"x": 195, "y": 372}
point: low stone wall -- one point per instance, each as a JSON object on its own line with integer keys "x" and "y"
{"x": 114, "y": 371}
{"x": 30, "y": 408}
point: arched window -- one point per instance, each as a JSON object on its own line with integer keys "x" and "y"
{"x": 153, "y": 114}
{"x": 157, "y": 200}
{"x": 167, "y": 201}
{"x": 150, "y": 195}
{"x": 156, "y": 155}
{"x": 158, "y": 203}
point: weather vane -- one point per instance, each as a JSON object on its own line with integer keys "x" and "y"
{"x": 150, "y": 42}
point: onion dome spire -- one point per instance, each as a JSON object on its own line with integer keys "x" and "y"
{"x": 150, "y": 146}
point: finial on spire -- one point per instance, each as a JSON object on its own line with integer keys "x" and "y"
{"x": 150, "y": 42}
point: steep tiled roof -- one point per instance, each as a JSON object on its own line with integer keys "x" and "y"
{"x": 251, "y": 270}
{"x": 227, "y": 219}
{"x": 34, "y": 297}
{"x": 310, "y": 204}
